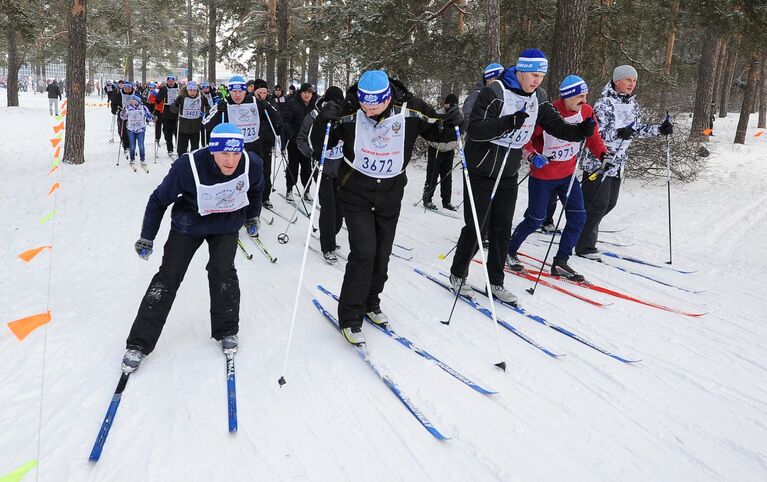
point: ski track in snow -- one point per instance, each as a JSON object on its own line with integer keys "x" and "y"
{"x": 694, "y": 408}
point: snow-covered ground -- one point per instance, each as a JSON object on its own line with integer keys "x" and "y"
{"x": 694, "y": 408}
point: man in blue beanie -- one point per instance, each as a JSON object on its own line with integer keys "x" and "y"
{"x": 502, "y": 122}
{"x": 214, "y": 191}
{"x": 489, "y": 74}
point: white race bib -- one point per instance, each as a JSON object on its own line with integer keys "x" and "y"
{"x": 136, "y": 120}
{"x": 379, "y": 149}
{"x": 245, "y": 116}
{"x": 513, "y": 102}
{"x": 172, "y": 95}
{"x": 224, "y": 197}
{"x": 191, "y": 108}
{"x": 557, "y": 149}
{"x": 336, "y": 152}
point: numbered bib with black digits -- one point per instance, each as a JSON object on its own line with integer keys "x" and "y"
{"x": 191, "y": 107}
{"x": 513, "y": 102}
{"x": 336, "y": 152}
{"x": 136, "y": 120}
{"x": 245, "y": 116}
{"x": 557, "y": 149}
{"x": 379, "y": 149}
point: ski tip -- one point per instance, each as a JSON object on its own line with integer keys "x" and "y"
{"x": 441, "y": 256}
{"x": 445, "y": 322}
{"x": 501, "y": 365}
{"x": 274, "y": 260}
{"x": 530, "y": 290}
{"x": 281, "y": 381}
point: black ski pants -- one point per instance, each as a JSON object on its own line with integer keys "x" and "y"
{"x": 266, "y": 156}
{"x": 600, "y": 197}
{"x": 223, "y": 284}
{"x": 331, "y": 214}
{"x": 169, "y": 130}
{"x": 122, "y": 128}
{"x": 296, "y": 159}
{"x": 439, "y": 164}
{"x": 497, "y": 227}
{"x": 371, "y": 208}
{"x": 188, "y": 142}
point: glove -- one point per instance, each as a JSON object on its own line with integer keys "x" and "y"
{"x": 331, "y": 111}
{"x": 144, "y": 248}
{"x": 626, "y": 133}
{"x": 453, "y": 116}
{"x": 516, "y": 120}
{"x": 666, "y": 129}
{"x": 252, "y": 225}
{"x": 586, "y": 127}
{"x": 538, "y": 160}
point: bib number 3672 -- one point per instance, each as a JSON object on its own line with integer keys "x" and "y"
{"x": 377, "y": 165}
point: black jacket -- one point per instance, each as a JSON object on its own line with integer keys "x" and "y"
{"x": 162, "y": 96}
{"x": 295, "y": 111}
{"x": 189, "y": 126}
{"x": 53, "y": 90}
{"x": 117, "y": 99}
{"x": 268, "y": 113}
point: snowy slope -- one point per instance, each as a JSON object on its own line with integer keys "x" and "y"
{"x": 694, "y": 408}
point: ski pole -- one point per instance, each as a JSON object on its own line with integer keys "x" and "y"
{"x": 278, "y": 146}
{"x": 281, "y": 380}
{"x": 595, "y": 174}
{"x": 434, "y": 188}
{"x": 120, "y": 132}
{"x": 283, "y": 237}
{"x": 478, "y": 232}
{"x": 668, "y": 187}
{"x": 559, "y": 219}
{"x": 112, "y": 138}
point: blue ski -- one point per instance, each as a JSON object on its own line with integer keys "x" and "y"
{"x": 231, "y": 393}
{"x": 641, "y": 261}
{"x": 489, "y": 314}
{"x": 558, "y": 328}
{"x": 651, "y": 278}
{"x": 420, "y": 351}
{"x": 108, "y": 418}
{"x": 363, "y": 353}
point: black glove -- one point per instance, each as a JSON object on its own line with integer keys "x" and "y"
{"x": 586, "y": 127}
{"x": 516, "y": 120}
{"x": 143, "y": 248}
{"x": 331, "y": 111}
{"x": 667, "y": 128}
{"x": 626, "y": 133}
{"x": 453, "y": 116}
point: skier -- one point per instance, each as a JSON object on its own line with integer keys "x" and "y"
{"x": 552, "y": 163}
{"x": 214, "y": 190}
{"x": 167, "y": 96}
{"x": 189, "y": 106}
{"x": 240, "y": 109}
{"x": 620, "y": 119}
{"x": 212, "y": 99}
{"x": 296, "y": 110}
{"x": 489, "y": 74}
{"x": 440, "y": 163}
{"x": 502, "y": 121}
{"x": 378, "y": 126}
{"x": 54, "y": 96}
{"x": 331, "y": 215}
{"x": 120, "y": 99}
{"x": 271, "y": 126}
{"x": 135, "y": 117}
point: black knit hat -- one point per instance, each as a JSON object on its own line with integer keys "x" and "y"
{"x": 260, "y": 84}
{"x": 334, "y": 93}
{"x": 451, "y": 99}
{"x": 306, "y": 87}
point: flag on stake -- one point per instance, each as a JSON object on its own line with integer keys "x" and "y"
{"x": 55, "y": 141}
{"x": 59, "y": 127}
{"x": 64, "y": 104}
{"x": 59, "y": 118}
{"x": 48, "y": 217}
{"x": 708, "y": 132}
{"x": 27, "y": 255}
{"x": 17, "y": 474}
{"x": 64, "y": 112}
{"x": 55, "y": 163}
{"x": 56, "y": 166}
{"x": 55, "y": 186}
{"x": 58, "y": 151}
{"x": 24, "y": 326}
{"x": 759, "y": 134}
{"x": 59, "y": 135}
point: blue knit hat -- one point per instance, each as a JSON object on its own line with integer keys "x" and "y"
{"x": 373, "y": 87}
{"x": 237, "y": 83}
{"x": 127, "y": 85}
{"x": 532, "y": 60}
{"x": 170, "y": 77}
{"x": 204, "y": 84}
{"x": 492, "y": 71}
{"x": 137, "y": 98}
{"x": 226, "y": 137}
{"x": 191, "y": 85}
{"x": 572, "y": 86}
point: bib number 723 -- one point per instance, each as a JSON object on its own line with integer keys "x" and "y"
{"x": 377, "y": 165}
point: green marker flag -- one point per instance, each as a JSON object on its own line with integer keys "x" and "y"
{"x": 16, "y": 475}
{"x": 45, "y": 219}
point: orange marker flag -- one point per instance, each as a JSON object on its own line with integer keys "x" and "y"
{"x": 53, "y": 169}
{"x": 55, "y": 141}
{"x": 58, "y": 151}
{"x": 758, "y": 134}
{"x": 27, "y": 255}
{"x": 24, "y": 326}
{"x": 708, "y": 132}
{"x": 59, "y": 127}
{"x": 55, "y": 186}
{"x": 64, "y": 104}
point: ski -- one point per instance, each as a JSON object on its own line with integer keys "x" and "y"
{"x": 405, "y": 258}
{"x": 641, "y": 261}
{"x": 283, "y": 216}
{"x": 447, "y": 214}
{"x": 420, "y": 351}
{"x": 133, "y": 166}
{"x": 108, "y": 418}
{"x": 474, "y": 304}
{"x": 336, "y": 265}
{"x": 564, "y": 331}
{"x": 402, "y": 247}
{"x": 298, "y": 204}
{"x": 612, "y": 231}
{"x": 145, "y": 168}
{"x": 242, "y": 248}
{"x": 362, "y": 351}
{"x": 231, "y": 393}
{"x": 261, "y": 247}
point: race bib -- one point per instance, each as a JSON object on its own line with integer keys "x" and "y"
{"x": 379, "y": 148}
{"x": 557, "y": 149}
{"x": 513, "y": 102}
{"x": 172, "y": 95}
{"x": 136, "y": 120}
{"x": 191, "y": 108}
{"x": 246, "y": 117}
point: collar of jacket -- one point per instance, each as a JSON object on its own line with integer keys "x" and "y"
{"x": 609, "y": 91}
{"x": 509, "y": 80}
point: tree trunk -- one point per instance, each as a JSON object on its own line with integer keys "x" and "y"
{"x": 129, "y": 37}
{"x": 282, "y": 42}
{"x": 74, "y": 141}
{"x": 493, "y": 27}
{"x": 669, "y": 55}
{"x": 189, "y": 41}
{"x": 14, "y": 63}
{"x": 705, "y": 89}
{"x": 143, "y": 65}
{"x": 748, "y": 95}
{"x": 212, "y": 42}
{"x": 313, "y": 70}
{"x": 720, "y": 63}
{"x": 758, "y": 87}
{"x": 569, "y": 34}
{"x": 271, "y": 29}
{"x": 762, "y": 100}
{"x": 732, "y": 59}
